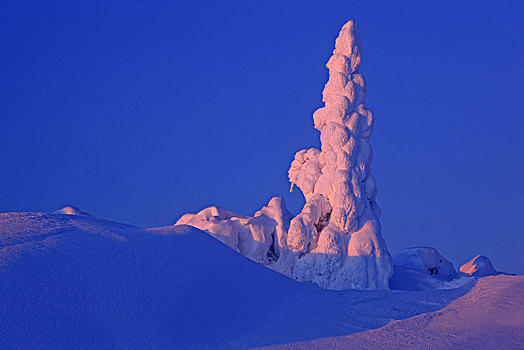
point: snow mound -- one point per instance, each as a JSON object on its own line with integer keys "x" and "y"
{"x": 422, "y": 268}
{"x": 479, "y": 266}
{"x": 71, "y": 211}
{"x": 260, "y": 237}
{"x": 427, "y": 260}
{"x": 336, "y": 240}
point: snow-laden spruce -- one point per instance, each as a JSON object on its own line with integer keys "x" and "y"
{"x": 335, "y": 241}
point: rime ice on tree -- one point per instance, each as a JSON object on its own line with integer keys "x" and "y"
{"x": 336, "y": 241}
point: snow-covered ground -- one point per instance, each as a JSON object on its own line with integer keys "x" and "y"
{"x": 489, "y": 316}
{"x": 69, "y": 281}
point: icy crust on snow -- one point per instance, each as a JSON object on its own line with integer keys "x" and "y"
{"x": 479, "y": 266}
{"x": 336, "y": 240}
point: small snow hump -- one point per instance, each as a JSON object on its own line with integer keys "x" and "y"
{"x": 479, "y": 266}
{"x": 427, "y": 260}
{"x": 421, "y": 268}
{"x": 71, "y": 211}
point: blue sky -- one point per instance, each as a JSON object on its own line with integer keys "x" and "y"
{"x": 142, "y": 111}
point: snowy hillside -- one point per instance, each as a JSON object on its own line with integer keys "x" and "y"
{"x": 70, "y": 281}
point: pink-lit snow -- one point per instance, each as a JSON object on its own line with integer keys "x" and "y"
{"x": 336, "y": 240}
{"x": 478, "y": 266}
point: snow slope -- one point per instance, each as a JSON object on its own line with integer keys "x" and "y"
{"x": 490, "y": 316}
{"x": 73, "y": 281}
{"x": 70, "y": 281}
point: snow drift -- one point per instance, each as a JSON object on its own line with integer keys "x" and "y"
{"x": 74, "y": 282}
{"x": 335, "y": 241}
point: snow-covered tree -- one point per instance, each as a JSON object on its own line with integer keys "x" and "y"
{"x": 336, "y": 240}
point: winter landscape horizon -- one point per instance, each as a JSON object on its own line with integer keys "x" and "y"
{"x": 169, "y": 148}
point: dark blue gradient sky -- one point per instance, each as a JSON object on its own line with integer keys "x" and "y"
{"x": 141, "y": 111}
